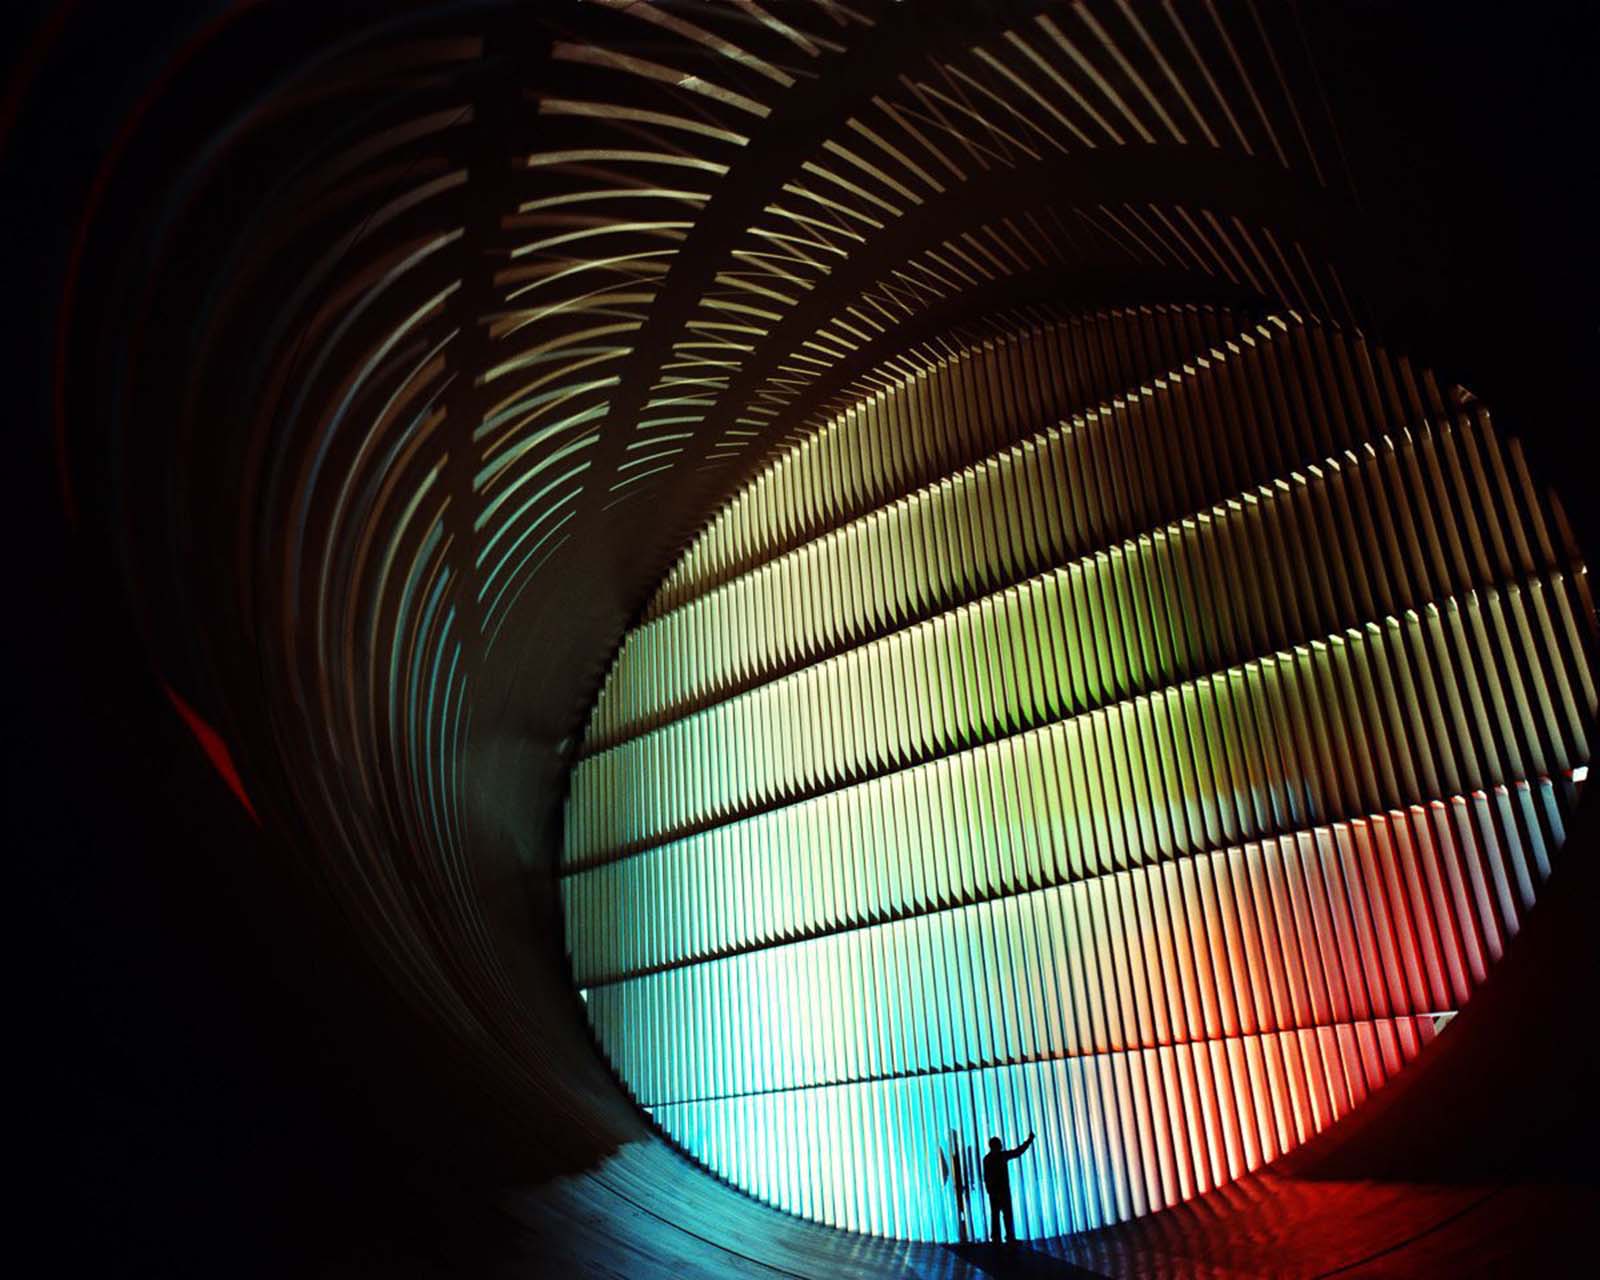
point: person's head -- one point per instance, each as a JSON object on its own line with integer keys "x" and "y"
{"x": 995, "y": 1144}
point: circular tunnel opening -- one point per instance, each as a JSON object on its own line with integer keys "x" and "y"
{"x": 1138, "y": 731}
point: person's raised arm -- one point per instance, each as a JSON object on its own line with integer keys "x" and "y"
{"x": 1017, "y": 1151}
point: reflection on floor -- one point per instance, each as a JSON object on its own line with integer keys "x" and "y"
{"x": 646, "y": 1214}
{"x": 1274, "y": 1226}
{"x": 1017, "y": 1262}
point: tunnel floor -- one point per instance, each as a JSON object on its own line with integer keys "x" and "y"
{"x": 1264, "y": 1225}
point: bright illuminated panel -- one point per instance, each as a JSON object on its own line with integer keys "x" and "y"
{"x": 1154, "y": 767}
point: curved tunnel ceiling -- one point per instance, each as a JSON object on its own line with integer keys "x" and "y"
{"x": 422, "y": 364}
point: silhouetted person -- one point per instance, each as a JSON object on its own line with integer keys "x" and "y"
{"x": 997, "y": 1182}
